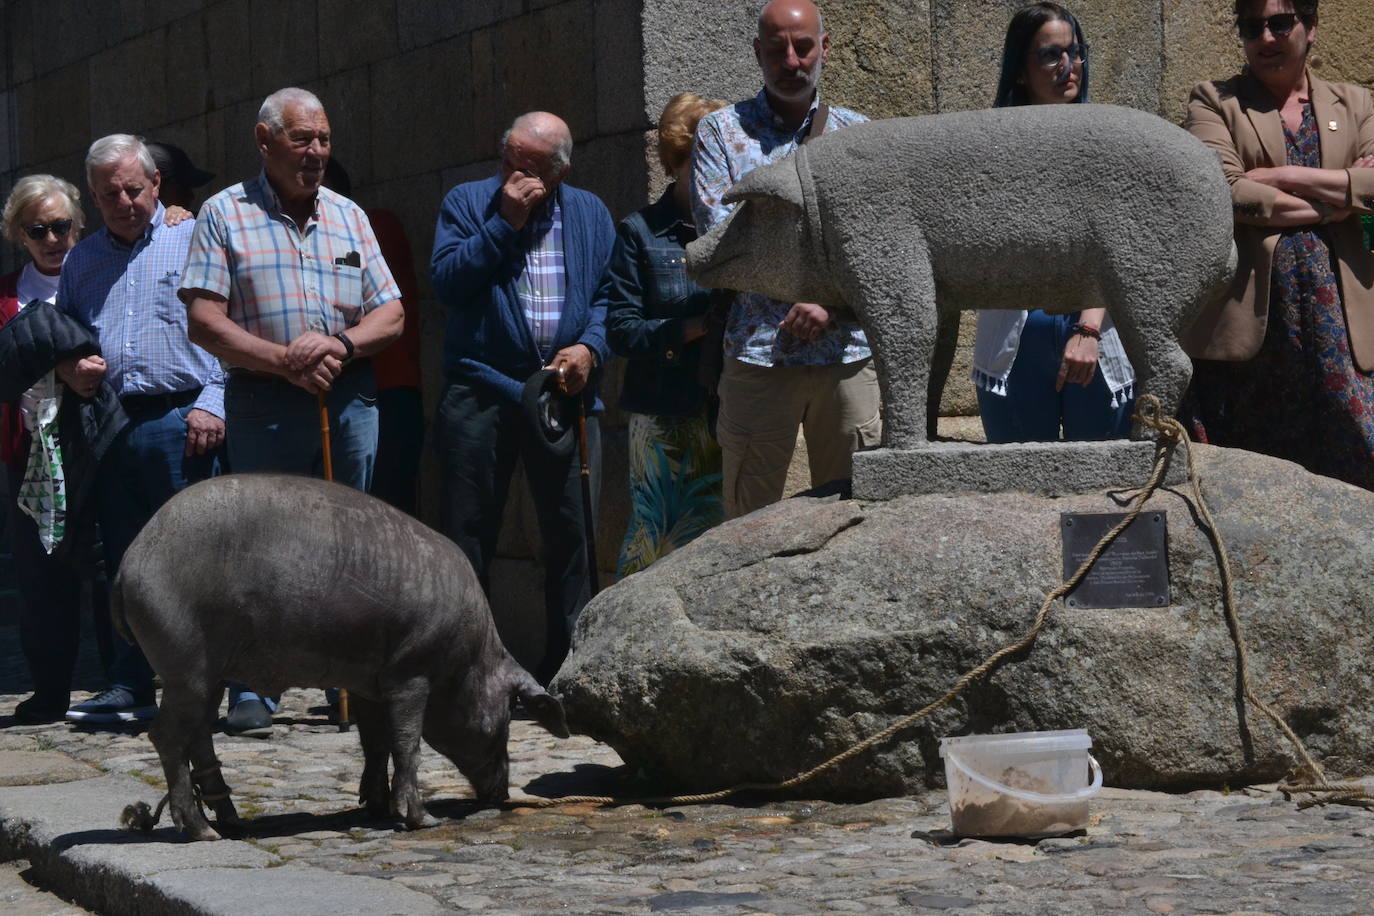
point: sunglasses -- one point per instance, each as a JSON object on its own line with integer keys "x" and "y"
{"x": 1050, "y": 55}
{"x": 1278, "y": 25}
{"x": 39, "y": 231}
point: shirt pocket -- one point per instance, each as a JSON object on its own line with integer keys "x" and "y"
{"x": 347, "y": 293}
{"x": 668, "y": 287}
{"x": 169, "y": 306}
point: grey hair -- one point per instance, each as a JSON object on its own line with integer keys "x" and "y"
{"x": 116, "y": 148}
{"x": 561, "y": 157}
{"x": 32, "y": 190}
{"x": 272, "y": 107}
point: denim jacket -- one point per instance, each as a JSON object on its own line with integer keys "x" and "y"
{"x": 647, "y": 294}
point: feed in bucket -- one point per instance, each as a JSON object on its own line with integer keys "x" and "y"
{"x": 1029, "y": 784}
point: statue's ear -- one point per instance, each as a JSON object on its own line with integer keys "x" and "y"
{"x": 778, "y": 181}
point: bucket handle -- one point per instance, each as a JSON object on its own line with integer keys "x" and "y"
{"x": 1086, "y": 792}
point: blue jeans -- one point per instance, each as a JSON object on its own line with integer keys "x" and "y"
{"x": 274, "y": 426}
{"x": 1032, "y": 411}
{"x": 146, "y": 466}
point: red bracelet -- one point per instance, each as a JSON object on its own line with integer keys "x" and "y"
{"x": 1087, "y": 330}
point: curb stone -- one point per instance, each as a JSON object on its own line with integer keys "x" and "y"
{"x": 68, "y": 830}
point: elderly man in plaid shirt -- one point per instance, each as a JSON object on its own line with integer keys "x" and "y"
{"x": 517, "y": 260}
{"x": 286, "y": 284}
{"x": 121, "y": 282}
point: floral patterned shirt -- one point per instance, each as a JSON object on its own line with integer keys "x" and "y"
{"x": 729, "y": 143}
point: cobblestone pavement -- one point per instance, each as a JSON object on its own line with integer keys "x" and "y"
{"x": 1204, "y": 852}
{"x": 20, "y": 898}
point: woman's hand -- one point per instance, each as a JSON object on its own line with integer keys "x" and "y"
{"x": 1079, "y": 364}
{"x": 176, "y": 215}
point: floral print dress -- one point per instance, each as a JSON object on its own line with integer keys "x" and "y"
{"x": 1301, "y": 397}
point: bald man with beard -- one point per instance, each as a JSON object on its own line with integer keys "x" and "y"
{"x": 517, "y": 261}
{"x": 787, "y": 364}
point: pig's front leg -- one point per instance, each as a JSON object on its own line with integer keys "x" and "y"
{"x": 405, "y": 709}
{"x": 374, "y": 792}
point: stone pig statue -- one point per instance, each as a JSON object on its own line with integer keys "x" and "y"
{"x": 1058, "y": 207}
{"x": 279, "y": 581}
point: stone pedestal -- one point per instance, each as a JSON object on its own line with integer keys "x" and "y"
{"x": 1049, "y": 468}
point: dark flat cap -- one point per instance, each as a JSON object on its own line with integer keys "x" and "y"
{"x": 552, "y": 415}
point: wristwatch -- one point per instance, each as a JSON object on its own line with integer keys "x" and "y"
{"x": 342, "y": 338}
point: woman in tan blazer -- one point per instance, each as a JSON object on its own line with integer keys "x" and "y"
{"x": 1282, "y": 363}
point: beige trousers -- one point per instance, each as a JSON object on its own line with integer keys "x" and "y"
{"x": 836, "y": 405}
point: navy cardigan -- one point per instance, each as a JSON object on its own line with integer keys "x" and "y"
{"x": 477, "y": 260}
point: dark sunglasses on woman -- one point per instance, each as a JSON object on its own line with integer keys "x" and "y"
{"x": 1278, "y": 25}
{"x": 39, "y": 231}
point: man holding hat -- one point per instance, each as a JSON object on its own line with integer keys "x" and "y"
{"x": 517, "y": 259}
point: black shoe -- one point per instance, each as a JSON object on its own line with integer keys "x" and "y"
{"x": 249, "y": 718}
{"x": 116, "y": 704}
{"x": 38, "y": 710}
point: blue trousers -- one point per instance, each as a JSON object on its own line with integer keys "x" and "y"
{"x": 146, "y": 466}
{"x": 1032, "y": 411}
{"x": 274, "y": 426}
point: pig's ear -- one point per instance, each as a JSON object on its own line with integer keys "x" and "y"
{"x": 545, "y": 708}
{"x": 778, "y": 181}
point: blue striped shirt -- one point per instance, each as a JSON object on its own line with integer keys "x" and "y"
{"x": 543, "y": 281}
{"x": 127, "y": 295}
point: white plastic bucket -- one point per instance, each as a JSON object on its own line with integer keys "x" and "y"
{"x": 1030, "y": 784}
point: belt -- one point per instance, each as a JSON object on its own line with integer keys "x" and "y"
{"x": 163, "y": 401}
{"x": 256, "y": 375}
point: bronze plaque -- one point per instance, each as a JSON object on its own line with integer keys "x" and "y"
{"x": 1132, "y": 572}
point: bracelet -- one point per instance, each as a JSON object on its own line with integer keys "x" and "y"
{"x": 1087, "y": 330}
{"x": 342, "y": 338}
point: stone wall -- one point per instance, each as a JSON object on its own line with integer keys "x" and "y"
{"x": 418, "y": 92}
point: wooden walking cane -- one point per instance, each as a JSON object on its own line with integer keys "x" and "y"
{"x": 588, "y": 525}
{"x": 344, "y": 723}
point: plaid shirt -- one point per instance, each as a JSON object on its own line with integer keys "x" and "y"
{"x": 543, "y": 282}
{"x": 127, "y": 295}
{"x": 281, "y": 281}
{"x": 729, "y": 144}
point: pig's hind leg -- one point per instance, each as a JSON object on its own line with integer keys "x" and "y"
{"x": 405, "y": 709}
{"x": 374, "y": 792}
{"x": 180, "y": 724}
{"x": 206, "y": 773}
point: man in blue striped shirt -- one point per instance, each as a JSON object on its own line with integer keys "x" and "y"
{"x": 122, "y": 283}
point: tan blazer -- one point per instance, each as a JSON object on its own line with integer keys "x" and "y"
{"x": 1238, "y": 118}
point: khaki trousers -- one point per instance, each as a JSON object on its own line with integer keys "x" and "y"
{"x": 836, "y": 405}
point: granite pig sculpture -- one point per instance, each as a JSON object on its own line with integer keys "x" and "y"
{"x": 277, "y": 581}
{"x": 1058, "y": 207}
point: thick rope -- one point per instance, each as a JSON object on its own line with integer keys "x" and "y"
{"x": 1171, "y": 432}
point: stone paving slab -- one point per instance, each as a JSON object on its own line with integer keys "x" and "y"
{"x": 308, "y": 849}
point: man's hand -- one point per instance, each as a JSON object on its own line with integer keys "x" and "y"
{"x": 574, "y": 367}
{"x": 83, "y": 375}
{"x": 520, "y": 194}
{"x": 317, "y": 378}
{"x": 308, "y": 349}
{"x": 805, "y": 320}
{"x": 176, "y": 215}
{"x": 204, "y": 431}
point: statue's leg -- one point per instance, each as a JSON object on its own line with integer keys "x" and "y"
{"x": 895, "y": 298}
{"x": 1142, "y": 308}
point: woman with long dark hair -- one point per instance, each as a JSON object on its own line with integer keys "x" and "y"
{"x": 1039, "y": 374}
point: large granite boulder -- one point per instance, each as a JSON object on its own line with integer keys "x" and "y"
{"x": 779, "y": 639}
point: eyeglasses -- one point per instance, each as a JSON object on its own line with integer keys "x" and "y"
{"x": 39, "y": 231}
{"x": 1050, "y": 55}
{"x": 1278, "y": 25}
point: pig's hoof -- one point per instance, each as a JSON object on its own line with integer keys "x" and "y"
{"x": 199, "y": 833}
{"x": 424, "y": 820}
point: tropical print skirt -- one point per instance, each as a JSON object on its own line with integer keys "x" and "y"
{"x": 675, "y": 487}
